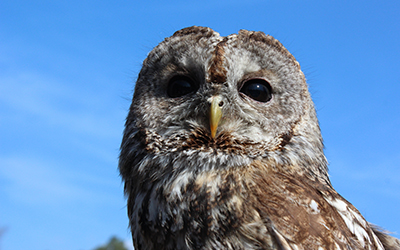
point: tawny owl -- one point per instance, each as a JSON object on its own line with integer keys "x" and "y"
{"x": 222, "y": 150}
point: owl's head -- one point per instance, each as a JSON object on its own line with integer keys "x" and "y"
{"x": 243, "y": 95}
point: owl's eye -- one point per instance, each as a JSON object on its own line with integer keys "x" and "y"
{"x": 181, "y": 85}
{"x": 257, "y": 89}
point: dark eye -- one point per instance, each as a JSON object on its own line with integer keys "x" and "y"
{"x": 257, "y": 89}
{"x": 181, "y": 85}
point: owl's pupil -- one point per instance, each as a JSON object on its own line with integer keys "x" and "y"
{"x": 180, "y": 86}
{"x": 257, "y": 89}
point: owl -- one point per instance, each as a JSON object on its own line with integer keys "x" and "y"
{"x": 222, "y": 150}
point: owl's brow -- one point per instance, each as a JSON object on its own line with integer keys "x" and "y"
{"x": 217, "y": 72}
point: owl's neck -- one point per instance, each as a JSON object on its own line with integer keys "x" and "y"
{"x": 197, "y": 152}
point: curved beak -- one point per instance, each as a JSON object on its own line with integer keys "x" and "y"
{"x": 215, "y": 114}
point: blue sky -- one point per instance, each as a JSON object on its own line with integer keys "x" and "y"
{"x": 67, "y": 72}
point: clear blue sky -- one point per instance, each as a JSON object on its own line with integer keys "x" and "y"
{"x": 67, "y": 72}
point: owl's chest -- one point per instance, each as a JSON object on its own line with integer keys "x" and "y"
{"x": 243, "y": 210}
{"x": 206, "y": 212}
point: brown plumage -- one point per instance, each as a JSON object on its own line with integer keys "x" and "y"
{"x": 222, "y": 150}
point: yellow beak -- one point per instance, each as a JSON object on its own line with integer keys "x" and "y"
{"x": 215, "y": 114}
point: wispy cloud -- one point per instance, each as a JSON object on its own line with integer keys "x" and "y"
{"x": 32, "y": 181}
{"x": 57, "y": 103}
{"x": 31, "y": 98}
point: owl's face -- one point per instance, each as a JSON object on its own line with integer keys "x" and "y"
{"x": 243, "y": 94}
